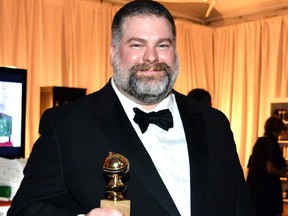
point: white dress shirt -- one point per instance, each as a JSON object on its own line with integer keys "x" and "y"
{"x": 168, "y": 150}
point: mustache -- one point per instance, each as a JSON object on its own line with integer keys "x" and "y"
{"x": 155, "y": 67}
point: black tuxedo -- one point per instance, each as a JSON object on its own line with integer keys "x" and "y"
{"x": 64, "y": 174}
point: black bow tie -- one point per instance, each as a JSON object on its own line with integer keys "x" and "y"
{"x": 162, "y": 118}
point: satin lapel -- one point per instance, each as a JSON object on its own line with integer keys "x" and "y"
{"x": 198, "y": 154}
{"x": 124, "y": 138}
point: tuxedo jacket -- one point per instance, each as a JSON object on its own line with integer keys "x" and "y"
{"x": 64, "y": 173}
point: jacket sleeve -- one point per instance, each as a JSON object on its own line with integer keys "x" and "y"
{"x": 43, "y": 187}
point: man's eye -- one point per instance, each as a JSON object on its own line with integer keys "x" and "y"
{"x": 136, "y": 45}
{"x": 164, "y": 46}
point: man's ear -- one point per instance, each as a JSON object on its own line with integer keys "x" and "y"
{"x": 112, "y": 53}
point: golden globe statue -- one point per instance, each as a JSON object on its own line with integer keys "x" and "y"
{"x": 116, "y": 166}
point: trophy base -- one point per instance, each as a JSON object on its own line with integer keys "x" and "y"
{"x": 123, "y": 205}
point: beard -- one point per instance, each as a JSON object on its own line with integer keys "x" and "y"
{"x": 148, "y": 89}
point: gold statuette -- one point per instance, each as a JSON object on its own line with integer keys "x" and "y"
{"x": 115, "y": 167}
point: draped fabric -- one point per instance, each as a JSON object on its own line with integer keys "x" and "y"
{"x": 66, "y": 43}
{"x": 250, "y": 71}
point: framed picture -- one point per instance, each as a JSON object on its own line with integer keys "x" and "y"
{"x": 12, "y": 112}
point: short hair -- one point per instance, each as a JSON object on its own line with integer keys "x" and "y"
{"x": 200, "y": 95}
{"x": 273, "y": 124}
{"x": 139, "y": 8}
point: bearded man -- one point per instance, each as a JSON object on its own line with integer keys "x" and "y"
{"x": 182, "y": 156}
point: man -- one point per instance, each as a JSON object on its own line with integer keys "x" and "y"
{"x": 188, "y": 168}
{"x": 266, "y": 166}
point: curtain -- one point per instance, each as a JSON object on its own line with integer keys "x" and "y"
{"x": 66, "y": 43}
{"x": 60, "y": 43}
{"x": 251, "y": 70}
{"x": 195, "y": 52}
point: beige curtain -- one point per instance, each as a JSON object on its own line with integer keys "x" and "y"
{"x": 195, "y": 51}
{"x": 60, "y": 43}
{"x": 251, "y": 70}
{"x": 66, "y": 43}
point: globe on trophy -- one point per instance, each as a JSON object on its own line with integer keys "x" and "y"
{"x": 115, "y": 167}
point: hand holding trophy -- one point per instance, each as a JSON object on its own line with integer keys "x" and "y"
{"x": 116, "y": 166}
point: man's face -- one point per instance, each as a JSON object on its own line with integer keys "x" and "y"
{"x": 145, "y": 62}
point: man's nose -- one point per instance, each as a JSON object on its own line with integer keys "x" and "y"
{"x": 151, "y": 55}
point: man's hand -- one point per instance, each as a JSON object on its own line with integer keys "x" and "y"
{"x": 105, "y": 212}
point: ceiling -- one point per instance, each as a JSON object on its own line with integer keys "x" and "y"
{"x": 222, "y": 12}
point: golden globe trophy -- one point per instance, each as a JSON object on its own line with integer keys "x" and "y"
{"x": 116, "y": 166}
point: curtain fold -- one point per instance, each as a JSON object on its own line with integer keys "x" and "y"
{"x": 251, "y": 69}
{"x": 195, "y": 51}
{"x": 236, "y": 58}
{"x": 66, "y": 43}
